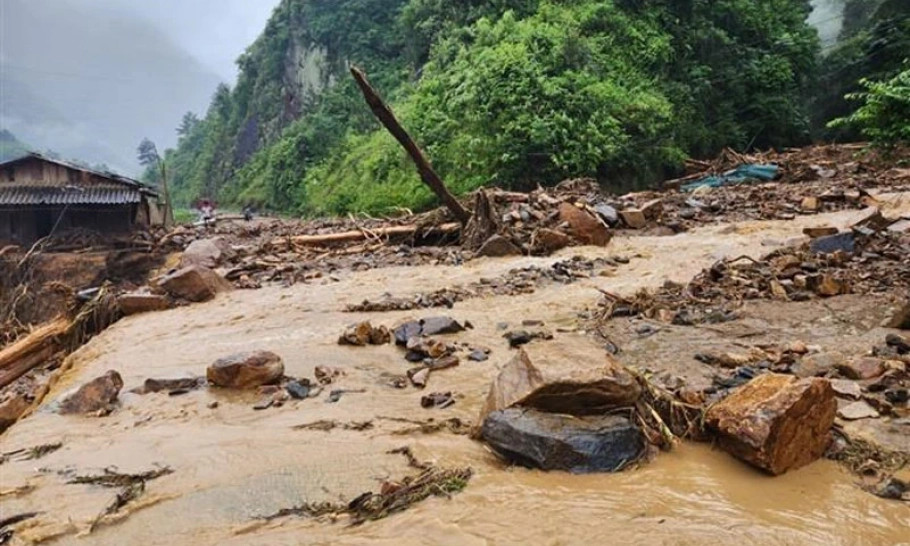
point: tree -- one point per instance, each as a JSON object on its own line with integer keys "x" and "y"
{"x": 148, "y": 153}
{"x": 884, "y": 115}
{"x": 189, "y": 122}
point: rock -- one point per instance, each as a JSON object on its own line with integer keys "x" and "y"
{"x": 845, "y": 388}
{"x": 901, "y": 226}
{"x": 819, "y": 364}
{"x": 809, "y": 204}
{"x": 12, "y": 409}
{"x": 874, "y": 220}
{"x": 633, "y": 218}
{"x": 435, "y": 326}
{"x": 899, "y": 343}
{"x": 561, "y": 442}
{"x": 820, "y": 231}
{"x": 406, "y": 331}
{"x": 857, "y": 410}
{"x": 95, "y": 396}
{"x": 364, "y": 333}
{"x": 134, "y": 303}
{"x": 194, "y": 283}
{"x": 825, "y": 285}
{"x": 420, "y": 348}
{"x": 900, "y": 318}
{"x": 775, "y": 422}
{"x": 437, "y": 400}
{"x": 299, "y": 390}
{"x": 419, "y": 376}
{"x": 443, "y": 362}
{"x": 517, "y": 379}
{"x": 589, "y": 391}
{"x": 862, "y": 368}
{"x": 246, "y": 370}
{"x": 607, "y": 213}
{"x": 842, "y": 242}
{"x": 517, "y": 338}
{"x": 585, "y": 228}
{"x": 778, "y": 291}
{"x": 477, "y": 355}
{"x": 498, "y": 246}
{"x": 549, "y": 240}
{"x": 326, "y": 375}
{"x": 653, "y": 209}
{"x": 180, "y": 384}
{"x": 206, "y": 253}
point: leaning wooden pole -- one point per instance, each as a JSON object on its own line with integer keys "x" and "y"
{"x": 427, "y": 174}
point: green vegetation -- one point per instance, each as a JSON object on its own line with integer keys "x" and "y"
{"x": 514, "y": 93}
{"x": 884, "y": 116}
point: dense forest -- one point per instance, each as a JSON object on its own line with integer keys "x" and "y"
{"x": 518, "y": 93}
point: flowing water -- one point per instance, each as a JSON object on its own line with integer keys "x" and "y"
{"x": 232, "y": 464}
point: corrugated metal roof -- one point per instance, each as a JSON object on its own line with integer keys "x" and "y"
{"x": 72, "y": 195}
{"x": 114, "y": 178}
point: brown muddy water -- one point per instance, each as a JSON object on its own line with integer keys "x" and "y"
{"x": 233, "y": 464}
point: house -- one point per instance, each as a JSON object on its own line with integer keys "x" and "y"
{"x": 40, "y": 196}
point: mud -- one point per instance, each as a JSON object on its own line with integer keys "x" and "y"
{"x": 233, "y": 466}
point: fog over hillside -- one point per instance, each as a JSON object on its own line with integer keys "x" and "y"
{"x": 90, "y": 78}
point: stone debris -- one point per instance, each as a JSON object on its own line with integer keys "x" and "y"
{"x": 246, "y": 370}
{"x": 194, "y": 283}
{"x": 181, "y": 385}
{"x": 431, "y": 326}
{"x": 326, "y": 375}
{"x": 133, "y": 303}
{"x": 439, "y": 400}
{"x": 775, "y": 422}
{"x": 552, "y": 441}
{"x": 96, "y": 396}
{"x": 364, "y": 333}
{"x": 857, "y": 410}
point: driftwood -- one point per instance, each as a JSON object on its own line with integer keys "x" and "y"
{"x": 427, "y": 174}
{"x": 359, "y": 235}
{"x": 32, "y": 350}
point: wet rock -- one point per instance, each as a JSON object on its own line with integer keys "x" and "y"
{"x": 95, "y": 396}
{"x": 590, "y": 391}
{"x": 435, "y": 326}
{"x": 441, "y": 363}
{"x": 265, "y": 403}
{"x": 517, "y": 379}
{"x": 498, "y": 246}
{"x": 420, "y": 348}
{"x": 298, "y": 390}
{"x": 892, "y": 489}
{"x": 900, "y": 344}
{"x": 206, "y": 253}
{"x": 561, "y": 442}
{"x": 775, "y": 422}
{"x": 364, "y": 333}
{"x": 11, "y": 409}
{"x": 419, "y": 376}
{"x": 819, "y": 364}
{"x": 193, "y": 283}
{"x": 825, "y": 285}
{"x": 406, "y": 331}
{"x": 134, "y": 303}
{"x": 842, "y": 242}
{"x": 152, "y": 385}
{"x": 862, "y": 368}
{"x": 478, "y": 355}
{"x": 517, "y": 338}
{"x": 900, "y": 318}
{"x": 608, "y": 214}
{"x": 326, "y": 375}
{"x": 246, "y": 370}
{"x": 585, "y": 228}
{"x": 820, "y": 231}
{"x": 653, "y": 209}
{"x": 438, "y": 400}
{"x": 897, "y": 395}
{"x": 857, "y": 410}
{"x": 547, "y": 240}
{"x": 845, "y": 388}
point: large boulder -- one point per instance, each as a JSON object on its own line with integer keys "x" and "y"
{"x": 776, "y": 422}
{"x": 552, "y": 441}
{"x": 516, "y": 380}
{"x": 133, "y": 303}
{"x": 194, "y": 283}
{"x": 206, "y": 253}
{"x": 498, "y": 246}
{"x": 95, "y": 396}
{"x": 246, "y": 370}
{"x": 430, "y": 326}
{"x": 585, "y": 228}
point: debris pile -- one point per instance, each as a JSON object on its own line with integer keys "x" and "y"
{"x": 862, "y": 261}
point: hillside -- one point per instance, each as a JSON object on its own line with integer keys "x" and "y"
{"x": 514, "y": 93}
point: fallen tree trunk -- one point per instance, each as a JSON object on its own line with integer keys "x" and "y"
{"x": 427, "y": 174}
{"x": 359, "y": 235}
{"x": 25, "y": 364}
{"x": 40, "y": 338}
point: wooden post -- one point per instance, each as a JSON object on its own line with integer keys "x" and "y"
{"x": 427, "y": 174}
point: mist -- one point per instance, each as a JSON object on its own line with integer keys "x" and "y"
{"x": 88, "y": 79}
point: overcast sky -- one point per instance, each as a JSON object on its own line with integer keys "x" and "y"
{"x": 216, "y": 32}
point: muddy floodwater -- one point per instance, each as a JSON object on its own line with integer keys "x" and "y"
{"x": 232, "y": 465}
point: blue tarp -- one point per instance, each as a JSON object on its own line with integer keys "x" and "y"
{"x": 740, "y": 175}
